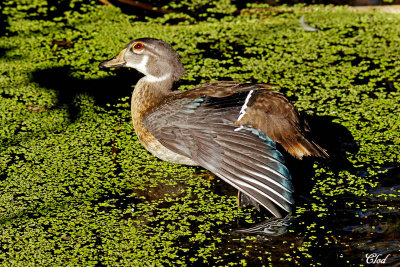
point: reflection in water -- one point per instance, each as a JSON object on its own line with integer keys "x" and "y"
{"x": 353, "y": 228}
{"x": 271, "y": 227}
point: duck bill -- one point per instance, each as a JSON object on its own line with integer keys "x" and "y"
{"x": 116, "y": 62}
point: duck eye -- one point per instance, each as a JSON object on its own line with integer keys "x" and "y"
{"x": 138, "y": 46}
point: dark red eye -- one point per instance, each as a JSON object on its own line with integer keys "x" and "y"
{"x": 138, "y": 46}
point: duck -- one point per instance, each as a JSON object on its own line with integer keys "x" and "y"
{"x": 229, "y": 128}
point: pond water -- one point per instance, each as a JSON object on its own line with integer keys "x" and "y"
{"x": 356, "y": 230}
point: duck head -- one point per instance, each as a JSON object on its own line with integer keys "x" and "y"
{"x": 156, "y": 59}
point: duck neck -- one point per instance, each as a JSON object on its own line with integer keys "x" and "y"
{"x": 148, "y": 94}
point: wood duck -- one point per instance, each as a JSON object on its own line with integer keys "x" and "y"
{"x": 229, "y": 128}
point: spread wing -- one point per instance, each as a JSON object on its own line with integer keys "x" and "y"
{"x": 268, "y": 111}
{"x": 203, "y": 129}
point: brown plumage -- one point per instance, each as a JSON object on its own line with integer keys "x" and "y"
{"x": 268, "y": 111}
{"x": 229, "y": 128}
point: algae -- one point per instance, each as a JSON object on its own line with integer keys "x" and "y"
{"x": 77, "y": 188}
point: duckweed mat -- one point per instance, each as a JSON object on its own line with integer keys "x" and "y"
{"x": 78, "y": 189}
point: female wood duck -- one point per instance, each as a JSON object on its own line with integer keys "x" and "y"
{"x": 229, "y": 128}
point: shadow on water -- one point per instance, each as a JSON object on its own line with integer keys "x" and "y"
{"x": 104, "y": 90}
{"x": 3, "y": 52}
{"x": 335, "y": 139}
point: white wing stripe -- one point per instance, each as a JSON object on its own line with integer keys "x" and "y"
{"x": 254, "y": 181}
{"x": 238, "y": 182}
{"x": 244, "y": 107}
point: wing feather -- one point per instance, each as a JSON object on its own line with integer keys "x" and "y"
{"x": 252, "y": 191}
{"x": 260, "y": 166}
{"x": 203, "y": 128}
{"x": 260, "y": 174}
{"x": 266, "y": 185}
